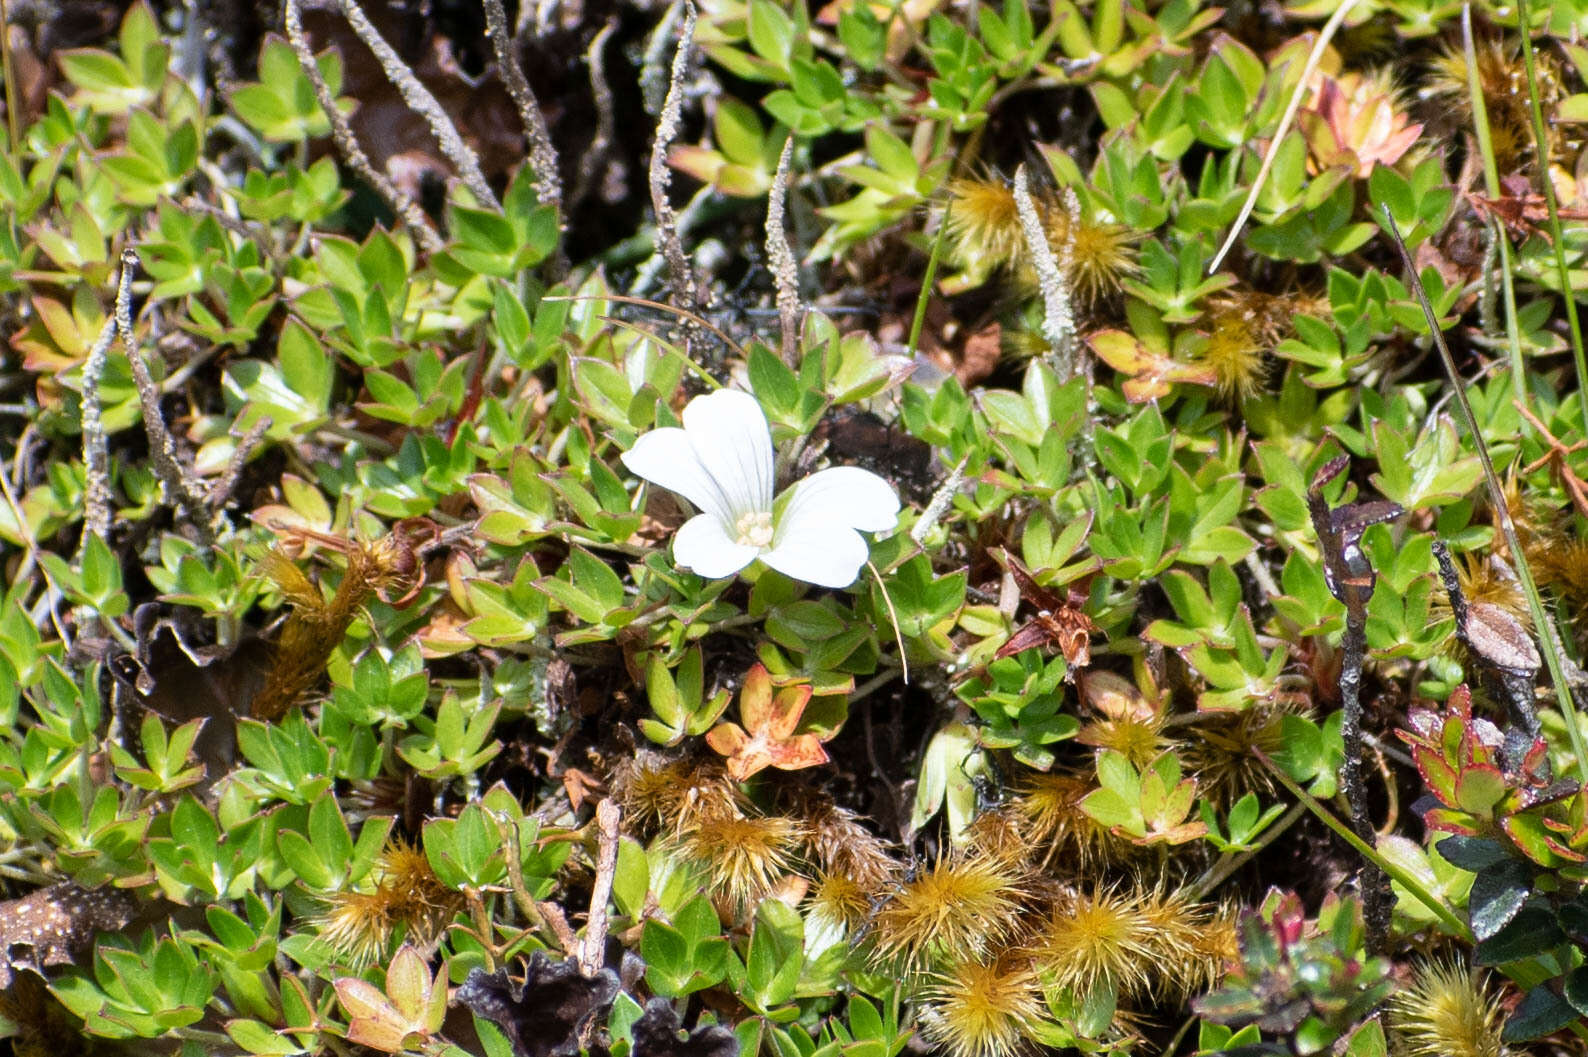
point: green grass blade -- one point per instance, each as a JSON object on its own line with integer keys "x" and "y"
{"x": 1548, "y": 640}
{"x": 1491, "y": 184}
{"x": 1557, "y": 242}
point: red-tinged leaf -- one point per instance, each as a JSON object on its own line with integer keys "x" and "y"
{"x": 787, "y": 709}
{"x": 1151, "y": 374}
{"x": 1025, "y": 637}
{"x": 755, "y": 697}
{"x": 374, "y": 1021}
{"x": 767, "y": 738}
{"x": 729, "y": 739}
{"x": 1536, "y": 843}
{"x": 1187, "y": 831}
{"x": 1031, "y": 591}
{"x": 702, "y": 164}
{"x": 1479, "y": 789}
{"x": 1447, "y": 820}
{"x": 409, "y": 984}
{"x": 1058, "y": 623}
{"x": 1438, "y": 776}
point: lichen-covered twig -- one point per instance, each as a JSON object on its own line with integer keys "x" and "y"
{"x": 939, "y": 503}
{"x": 403, "y": 207}
{"x": 221, "y": 490}
{"x": 417, "y": 96}
{"x": 542, "y": 155}
{"x": 96, "y": 451}
{"x": 684, "y": 294}
{"x": 183, "y": 489}
{"x": 654, "y": 76}
{"x": 785, "y": 274}
{"x": 1500, "y": 646}
{"x": 1058, "y": 316}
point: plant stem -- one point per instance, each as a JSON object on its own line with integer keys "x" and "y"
{"x": 1407, "y": 880}
{"x": 1377, "y": 900}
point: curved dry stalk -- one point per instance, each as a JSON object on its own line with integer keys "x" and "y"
{"x": 594, "y": 160}
{"x": 693, "y": 318}
{"x": 1325, "y": 35}
{"x": 542, "y": 155}
{"x": 418, "y": 97}
{"x": 402, "y": 207}
{"x": 182, "y": 488}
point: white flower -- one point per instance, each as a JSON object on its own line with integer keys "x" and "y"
{"x": 721, "y": 461}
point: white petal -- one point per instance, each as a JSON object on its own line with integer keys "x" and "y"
{"x": 816, "y": 539}
{"x": 703, "y": 547}
{"x": 845, "y": 494}
{"x": 666, "y": 457}
{"x": 732, "y": 441}
{"x": 818, "y": 552}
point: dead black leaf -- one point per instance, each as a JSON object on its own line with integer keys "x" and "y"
{"x": 1345, "y": 569}
{"x": 544, "y": 1015}
{"x": 657, "y": 1034}
{"x": 54, "y": 925}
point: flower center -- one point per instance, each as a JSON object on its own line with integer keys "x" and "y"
{"x": 755, "y": 529}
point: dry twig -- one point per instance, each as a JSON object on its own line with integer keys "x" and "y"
{"x": 417, "y": 96}
{"x": 222, "y": 489}
{"x": 593, "y": 951}
{"x": 594, "y": 161}
{"x": 1555, "y": 459}
{"x": 403, "y": 207}
{"x": 183, "y": 489}
{"x": 542, "y": 155}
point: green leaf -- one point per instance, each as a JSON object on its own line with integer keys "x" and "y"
{"x": 304, "y": 365}
{"x": 1498, "y": 892}
{"x": 1531, "y": 930}
{"x": 1541, "y": 1012}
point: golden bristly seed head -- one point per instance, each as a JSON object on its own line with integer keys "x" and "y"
{"x": 983, "y": 1008}
{"x": 1099, "y": 938}
{"x": 960, "y": 905}
{"x": 743, "y": 855}
{"x": 982, "y": 229}
{"x": 1446, "y": 1012}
